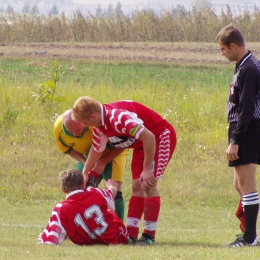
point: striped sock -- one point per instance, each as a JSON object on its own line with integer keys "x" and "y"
{"x": 151, "y": 214}
{"x": 135, "y": 212}
{"x": 251, "y": 207}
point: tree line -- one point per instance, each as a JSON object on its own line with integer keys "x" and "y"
{"x": 147, "y": 25}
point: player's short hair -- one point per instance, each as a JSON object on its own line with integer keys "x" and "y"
{"x": 71, "y": 180}
{"x": 230, "y": 34}
{"x": 84, "y": 107}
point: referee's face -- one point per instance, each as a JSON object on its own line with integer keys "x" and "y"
{"x": 228, "y": 52}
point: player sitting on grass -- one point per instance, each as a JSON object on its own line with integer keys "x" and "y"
{"x": 86, "y": 217}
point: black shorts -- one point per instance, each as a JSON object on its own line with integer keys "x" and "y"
{"x": 249, "y": 149}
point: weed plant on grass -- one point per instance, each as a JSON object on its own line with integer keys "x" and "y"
{"x": 198, "y": 201}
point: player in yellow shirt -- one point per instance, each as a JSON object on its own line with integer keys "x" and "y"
{"x": 74, "y": 139}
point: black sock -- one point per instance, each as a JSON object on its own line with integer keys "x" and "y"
{"x": 251, "y": 208}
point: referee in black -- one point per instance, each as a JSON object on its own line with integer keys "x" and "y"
{"x": 243, "y": 113}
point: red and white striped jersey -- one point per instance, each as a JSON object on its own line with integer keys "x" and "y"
{"x": 122, "y": 124}
{"x": 86, "y": 217}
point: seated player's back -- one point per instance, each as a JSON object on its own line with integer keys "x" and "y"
{"x": 85, "y": 217}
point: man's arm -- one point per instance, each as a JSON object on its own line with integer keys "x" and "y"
{"x": 102, "y": 162}
{"x": 110, "y": 193}
{"x": 54, "y": 233}
{"x": 78, "y": 156}
{"x": 91, "y": 161}
{"x": 147, "y": 178}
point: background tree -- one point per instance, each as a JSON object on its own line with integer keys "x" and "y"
{"x": 202, "y": 4}
{"x": 119, "y": 9}
{"x": 9, "y": 9}
{"x": 180, "y": 8}
{"x": 35, "y": 9}
{"x": 110, "y": 10}
{"x": 99, "y": 11}
{"x": 26, "y": 8}
{"x": 54, "y": 10}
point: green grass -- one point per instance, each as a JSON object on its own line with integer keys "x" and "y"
{"x": 198, "y": 201}
{"x": 184, "y": 232}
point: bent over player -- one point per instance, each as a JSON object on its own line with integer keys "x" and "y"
{"x": 86, "y": 217}
{"x": 131, "y": 124}
{"x": 74, "y": 139}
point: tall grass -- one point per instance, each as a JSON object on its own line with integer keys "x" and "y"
{"x": 196, "y": 25}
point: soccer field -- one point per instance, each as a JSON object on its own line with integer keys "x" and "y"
{"x": 198, "y": 200}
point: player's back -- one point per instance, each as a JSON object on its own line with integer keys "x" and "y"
{"x": 85, "y": 217}
{"x": 151, "y": 119}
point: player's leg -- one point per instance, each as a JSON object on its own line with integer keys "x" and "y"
{"x": 165, "y": 145}
{"x": 115, "y": 171}
{"x": 240, "y": 210}
{"x": 93, "y": 181}
{"x": 79, "y": 166}
{"x": 135, "y": 207}
{"x": 250, "y": 199}
{"x": 247, "y": 182}
{"x": 245, "y": 170}
{"x": 122, "y": 236}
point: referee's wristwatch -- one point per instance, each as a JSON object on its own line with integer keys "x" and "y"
{"x": 232, "y": 141}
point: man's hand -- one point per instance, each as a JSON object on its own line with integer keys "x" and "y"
{"x": 39, "y": 239}
{"x": 112, "y": 185}
{"x": 99, "y": 166}
{"x": 232, "y": 151}
{"x": 147, "y": 179}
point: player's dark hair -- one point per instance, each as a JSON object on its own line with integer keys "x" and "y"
{"x": 230, "y": 34}
{"x": 71, "y": 180}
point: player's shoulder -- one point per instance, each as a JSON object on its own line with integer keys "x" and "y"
{"x": 58, "y": 123}
{"x": 98, "y": 191}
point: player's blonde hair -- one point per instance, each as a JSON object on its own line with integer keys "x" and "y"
{"x": 71, "y": 180}
{"x": 84, "y": 107}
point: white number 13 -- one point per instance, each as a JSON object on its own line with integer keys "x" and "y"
{"x": 99, "y": 219}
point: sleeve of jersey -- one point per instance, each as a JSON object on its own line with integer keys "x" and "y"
{"x": 109, "y": 197}
{"x": 127, "y": 122}
{"x": 59, "y": 142}
{"x": 99, "y": 141}
{"x": 54, "y": 233}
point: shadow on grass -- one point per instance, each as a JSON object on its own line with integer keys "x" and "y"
{"x": 192, "y": 244}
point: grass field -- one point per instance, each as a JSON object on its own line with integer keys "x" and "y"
{"x": 198, "y": 200}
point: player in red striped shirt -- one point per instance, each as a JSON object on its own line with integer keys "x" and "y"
{"x": 129, "y": 124}
{"x": 86, "y": 217}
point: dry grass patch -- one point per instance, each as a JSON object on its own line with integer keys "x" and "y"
{"x": 202, "y": 53}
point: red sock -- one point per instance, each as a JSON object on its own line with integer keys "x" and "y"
{"x": 151, "y": 213}
{"x": 241, "y": 216}
{"x": 135, "y": 212}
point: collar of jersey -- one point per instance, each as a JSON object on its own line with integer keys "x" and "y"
{"x": 66, "y": 132}
{"x": 241, "y": 62}
{"x": 73, "y": 193}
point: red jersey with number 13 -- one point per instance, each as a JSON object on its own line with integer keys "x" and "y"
{"x": 84, "y": 217}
